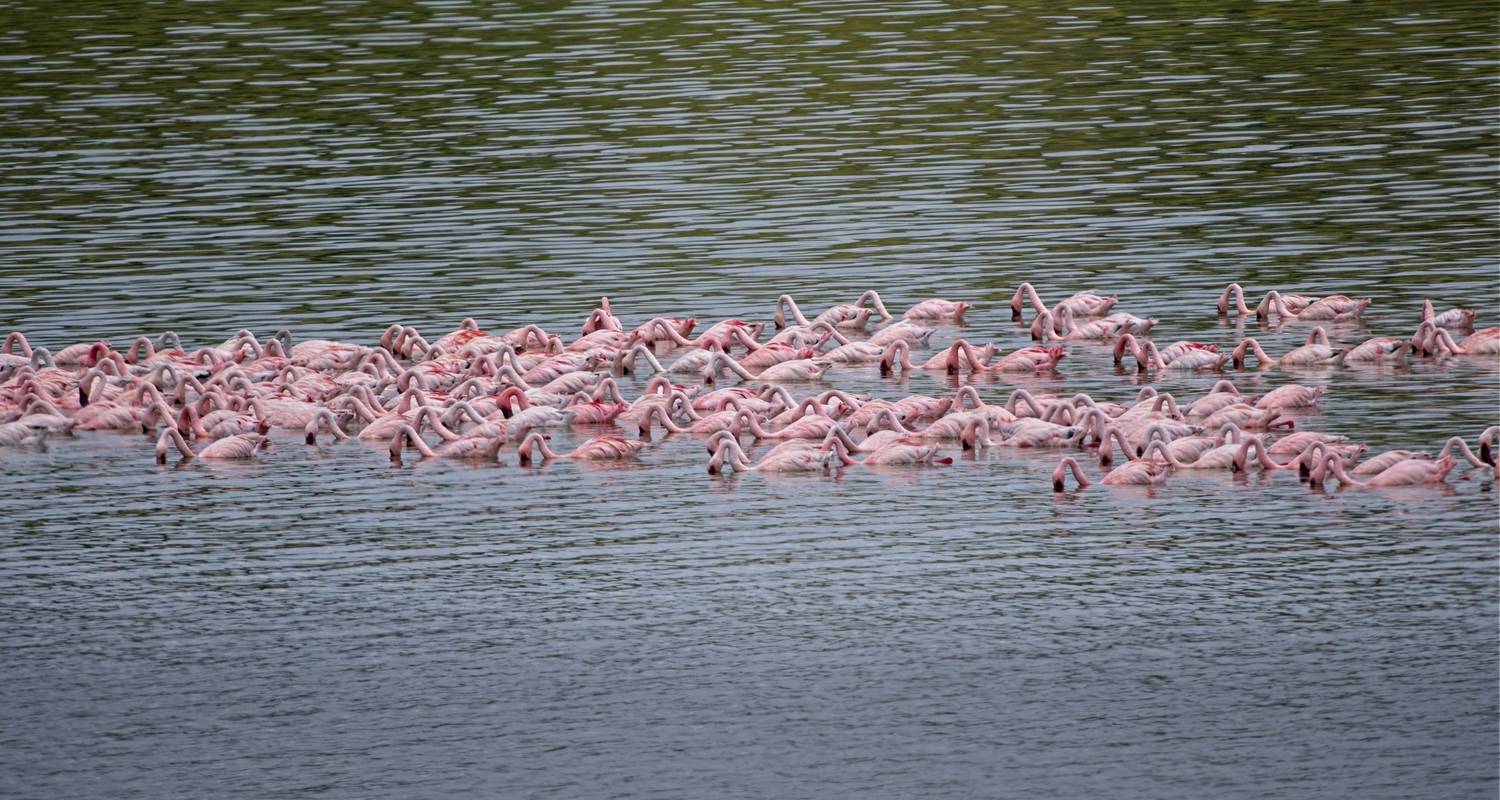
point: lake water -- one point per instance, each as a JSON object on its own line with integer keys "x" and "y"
{"x": 321, "y": 624}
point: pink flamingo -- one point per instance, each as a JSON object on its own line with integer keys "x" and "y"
{"x": 239, "y": 446}
{"x": 847, "y": 352}
{"x": 711, "y": 423}
{"x": 588, "y": 411}
{"x": 946, "y": 428}
{"x": 1047, "y": 327}
{"x": 23, "y": 434}
{"x": 472, "y": 448}
{"x": 966, "y": 399}
{"x": 1334, "y": 308}
{"x": 766, "y": 356}
{"x": 729, "y": 454}
{"x": 936, "y": 310}
{"x": 898, "y": 354}
{"x": 909, "y": 332}
{"x": 1190, "y": 447}
{"x": 1491, "y": 434}
{"x": 1462, "y": 318}
{"x": 1378, "y": 349}
{"x": 1481, "y": 342}
{"x": 843, "y": 316}
{"x": 1374, "y": 465}
{"x": 1081, "y": 304}
{"x": 1293, "y": 443}
{"x": 1224, "y": 393}
{"x": 1248, "y": 417}
{"x": 1131, "y": 473}
{"x": 599, "y": 448}
{"x": 1315, "y": 352}
{"x": 901, "y": 452}
{"x": 1457, "y": 442}
{"x": 1412, "y": 472}
{"x": 1291, "y": 396}
{"x": 16, "y": 351}
{"x": 1233, "y": 457}
{"x": 324, "y": 420}
{"x": 1188, "y": 358}
{"x": 813, "y": 426}
{"x": 1027, "y": 359}
{"x": 220, "y": 424}
{"x": 798, "y": 371}
{"x": 602, "y": 318}
{"x": 869, "y": 444}
{"x": 1234, "y": 293}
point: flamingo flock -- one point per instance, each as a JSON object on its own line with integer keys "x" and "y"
{"x": 473, "y": 394}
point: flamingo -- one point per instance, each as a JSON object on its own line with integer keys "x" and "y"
{"x": 1463, "y": 448}
{"x": 324, "y": 420}
{"x": 812, "y": 426}
{"x": 1290, "y": 396}
{"x": 22, "y": 434}
{"x": 1131, "y": 473}
{"x": 1377, "y": 349}
{"x": 898, "y": 354}
{"x": 602, "y": 319}
{"x": 1081, "y": 304}
{"x": 1481, "y": 342}
{"x": 936, "y": 310}
{"x": 903, "y": 330}
{"x": 599, "y": 448}
{"x": 1233, "y": 293}
{"x": 946, "y": 428}
{"x": 1224, "y": 393}
{"x": 1186, "y": 448}
{"x": 1333, "y": 308}
{"x": 1047, "y": 327}
{"x": 238, "y": 447}
{"x": 798, "y": 371}
{"x": 1233, "y": 457}
{"x": 1027, "y": 359}
{"x": 469, "y": 448}
{"x": 1187, "y": 358}
{"x": 1411, "y": 472}
{"x": 1491, "y": 434}
{"x": 843, "y": 316}
{"x": 901, "y": 452}
{"x": 1462, "y": 318}
{"x": 1315, "y": 352}
{"x": 1374, "y": 465}
{"x": 730, "y": 455}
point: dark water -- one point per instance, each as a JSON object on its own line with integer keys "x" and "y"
{"x": 321, "y": 625}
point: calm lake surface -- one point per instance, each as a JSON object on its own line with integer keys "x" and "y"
{"x": 321, "y": 624}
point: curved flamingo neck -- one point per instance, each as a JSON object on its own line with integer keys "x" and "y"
{"x": 1463, "y": 448}
{"x": 1159, "y": 447}
{"x": 1023, "y": 396}
{"x": 886, "y": 418}
{"x": 1114, "y": 436}
{"x": 1029, "y": 292}
{"x": 873, "y": 298}
{"x": 16, "y": 339}
{"x": 897, "y": 354}
{"x": 1336, "y": 466}
{"x": 1059, "y": 475}
{"x": 786, "y": 302}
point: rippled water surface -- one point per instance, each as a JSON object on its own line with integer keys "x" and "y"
{"x": 322, "y": 624}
